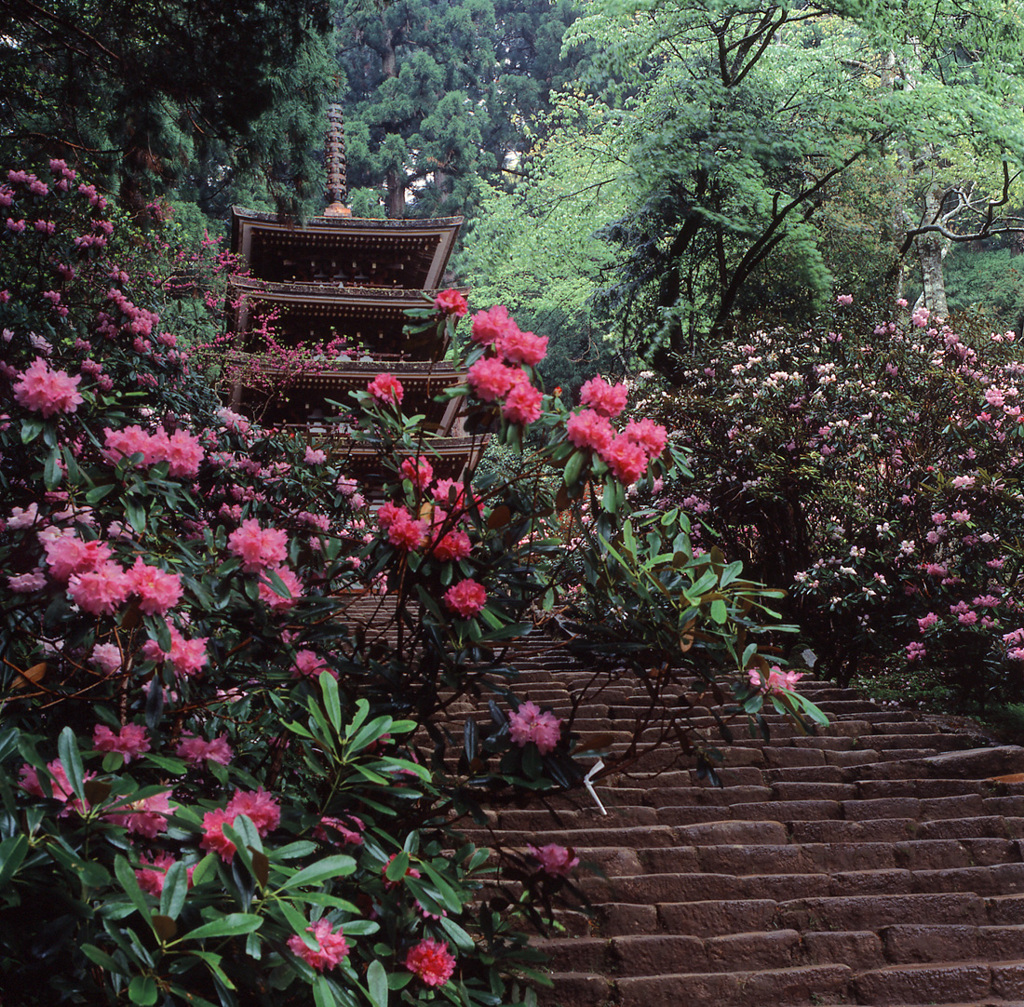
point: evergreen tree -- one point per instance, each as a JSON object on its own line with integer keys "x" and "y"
{"x": 150, "y": 95}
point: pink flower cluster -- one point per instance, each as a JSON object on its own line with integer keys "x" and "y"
{"x": 257, "y": 547}
{"x": 153, "y": 872}
{"x": 466, "y": 598}
{"x": 46, "y": 391}
{"x": 195, "y": 750}
{"x": 147, "y": 816}
{"x": 403, "y": 530}
{"x": 182, "y": 450}
{"x": 431, "y": 961}
{"x": 555, "y": 860}
{"x": 501, "y": 376}
{"x": 331, "y": 946}
{"x": 628, "y": 453}
{"x": 257, "y": 805}
{"x": 529, "y": 723}
{"x": 451, "y": 302}
{"x": 777, "y": 680}
{"x": 386, "y": 388}
{"x": 131, "y": 741}
{"x": 187, "y": 657}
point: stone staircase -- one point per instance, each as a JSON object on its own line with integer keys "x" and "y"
{"x": 877, "y": 862}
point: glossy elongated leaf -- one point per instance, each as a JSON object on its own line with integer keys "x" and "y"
{"x": 322, "y": 870}
{"x": 172, "y": 897}
{"x": 229, "y": 925}
{"x": 71, "y": 759}
{"x": 377, "y": 984}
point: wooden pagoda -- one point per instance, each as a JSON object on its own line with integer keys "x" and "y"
{"x": 329, "y": 297}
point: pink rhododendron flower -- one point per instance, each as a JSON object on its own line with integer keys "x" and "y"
{"x": 777, "y": 679}
{"x": 26, "y": 583}
{"x": 490, "y": 379}
{"x": 386, "y": 388}
{"x": 340, "y": 827}
{"x": 518, "y": 347}
{"x": 187, "y": 657}
{"x": 554, "y": 859}
{"x": 330, "y": 950}
{"x": 529, "y": 723}
{"x": 67, "y": 555}
{"x": 129, "y": 441}
{"x": 258, "y": 806}
{"x": 101, "y": 590}
{"x": 47, "y": 391}
{"x": 292, "y": 585}
{"x": 406, "y": 533}
{"x": 147, "y": 817}
{"x": 258, "y": 547}
{"x": 153, "y": 872}
{"x": 491, "y": 325}
{"x": 418, "y": 471}
{"x": 184, "y": 452}
{"x": 60, "y": 786}
{"x": 651, "y": 436}
{"x": 523, "y": 404}
{"x": 195, "y": 750}
{"x": 927, "y": 621}
{"x": 314, "y": 456}
{"x": 131, "y": 741}
{"x": 309, "y": 664}
{"x": 589, "y": 429}
{"x": 158, "y": 591}
{"x": 608, "y": 400}
{"x": 845, "y": 300}
{"x": 455, "y": 545}
{"x": 626, "y": 459}
{"x": 23, "y": 517}
{"x": 915, "y": 651}
{"x": 467, "y": 598}
{"x": 106, "y": 657}
{"x": 431, "y": 961}
{"x": 451, "y": 302}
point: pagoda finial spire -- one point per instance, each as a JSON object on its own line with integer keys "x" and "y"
{"x": 336, "y": 162}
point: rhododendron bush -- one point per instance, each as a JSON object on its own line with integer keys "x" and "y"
{"x": 872, "y": 466}
{"x": 221, "y": 781}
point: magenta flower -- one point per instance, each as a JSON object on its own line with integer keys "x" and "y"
{"x": 330, "y": 950}
{"x": 418, "y": 471}
{"x": 340, "y": 826}
{"x": 147, "y": 817}
{"x": 195, "y": 750}
{"x": 47, "y": 391}
{"x": 309, "y": 664}
{"x": 431, "y": 961}
{"x": 626, "y": 459}
{"x": 518, "y": 347}
{"x": 651, "y": 436}
{"x": 453, "y": 546}
{"x": 528, "y": 724}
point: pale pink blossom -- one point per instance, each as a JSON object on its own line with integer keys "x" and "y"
{"x": 292, "y": 584}
{"x": 102, "y": 590}
{"x": 47, "y": 391}
{"x": 158, "y": 591}
{"x": 523, "y": 404}
{"x": 258, "y": 547}
{"x": 518, "y": 347}
{"x": 529, "y": 723}
{"x": 184, "y": 452}
{"x": 309, "y": 664}
{"x": 314, "y": 456}
{"x": 67, "y": 555}
{"x": 26, "y": 583}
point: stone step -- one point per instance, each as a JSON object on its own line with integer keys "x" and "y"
{"x": 941, "y": 984}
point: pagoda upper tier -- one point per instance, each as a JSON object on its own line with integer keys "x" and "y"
{"x": 335, "y": 290}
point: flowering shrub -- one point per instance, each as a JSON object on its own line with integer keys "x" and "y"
{"x": 219, "y": 782}
{"x": 872, "y": 467}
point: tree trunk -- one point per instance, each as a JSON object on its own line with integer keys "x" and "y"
{"x": 930, "y": 253}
